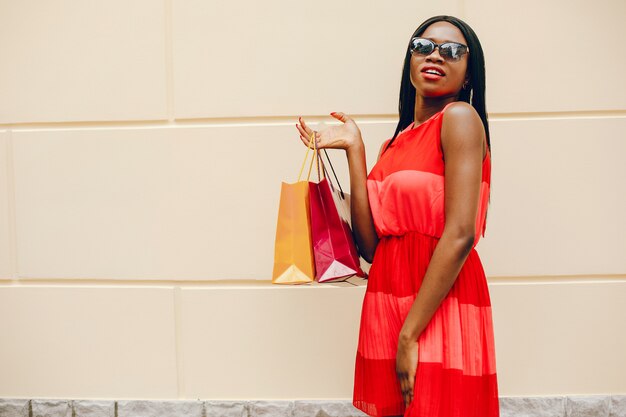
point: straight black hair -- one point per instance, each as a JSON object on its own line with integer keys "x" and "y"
{"x": 474, "y": 94}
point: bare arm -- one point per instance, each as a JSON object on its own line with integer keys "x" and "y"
{"x": 362, "y": 221}
{"x": 365, "y": 234}
{"x": 462, "y": 138}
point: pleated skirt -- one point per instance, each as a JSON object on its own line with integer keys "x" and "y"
{"x": 456, "y": 371}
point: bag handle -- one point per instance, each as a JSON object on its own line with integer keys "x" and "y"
{"x": 334, "y": 174}
{"x": 315, "y": 158}
{"x": 319, "y": 160}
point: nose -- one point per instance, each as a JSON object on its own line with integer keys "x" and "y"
{"x": 434, "y": 55}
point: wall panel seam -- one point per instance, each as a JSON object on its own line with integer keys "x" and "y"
{"x": 236, "y": 284}
{"x": 255, "y": 121}
{"x": 169, "y": 59}
{"x": 11, "y": 210}
{"x": 180, "y": 380}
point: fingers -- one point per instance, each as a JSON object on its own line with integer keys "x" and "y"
{"x": 407, "y": 384}
{"x": 407, "y": 397}
{"x": 407, "y": 390}
{"x": 306, "y": 138}
{"x": 306, "y": 132}
{"x": 402, "y": 383}
{"x": 340, "y": 116}
{"x": 405, "y": 387}
{"x": 410, "y": 393}
{"x": 405, "y": 371}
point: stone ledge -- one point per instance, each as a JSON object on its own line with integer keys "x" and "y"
{"x": 14, "y": 408}
{"x": 548, "y": 406}
{"x": 349, "y": 282}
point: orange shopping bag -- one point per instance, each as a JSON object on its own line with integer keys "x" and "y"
{"x": 293, "y": 252}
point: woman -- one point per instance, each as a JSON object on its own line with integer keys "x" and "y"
{"x": 426, "y": 346}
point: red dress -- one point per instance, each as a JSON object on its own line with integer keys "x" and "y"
{"x": 456, "y": 371}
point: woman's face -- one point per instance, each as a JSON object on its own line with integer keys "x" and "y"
{"x": 454, "y": 72}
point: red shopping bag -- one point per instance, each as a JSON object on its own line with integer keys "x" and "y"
{"x": 334, "y": 249}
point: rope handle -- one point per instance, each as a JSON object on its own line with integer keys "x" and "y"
{"x": 343, "y": 197}
{"x": 315, "y": 158}
{"x": 323, "y": 173}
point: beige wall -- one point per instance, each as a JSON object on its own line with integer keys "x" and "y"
{"x": 142, "y": 146}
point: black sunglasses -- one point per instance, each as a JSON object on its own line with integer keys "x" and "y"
{"x": 450, "y": 51}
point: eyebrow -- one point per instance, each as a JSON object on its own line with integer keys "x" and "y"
{"x": 444, "y": 41}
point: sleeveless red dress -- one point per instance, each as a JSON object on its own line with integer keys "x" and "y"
{"x": 456, "y": 371}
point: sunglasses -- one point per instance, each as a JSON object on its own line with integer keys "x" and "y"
{"x": 450, "y": 51}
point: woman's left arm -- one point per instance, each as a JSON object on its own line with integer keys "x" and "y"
{"x": 462, "y": 137}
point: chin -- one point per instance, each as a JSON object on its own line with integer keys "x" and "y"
{"x": 433, "y": 93}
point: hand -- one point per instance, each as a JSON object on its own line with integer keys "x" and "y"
{"x": 406, "y": 367}
{"x": 343, "y": 136}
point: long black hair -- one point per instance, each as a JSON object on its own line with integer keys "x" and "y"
{"x": 474, "y": 94}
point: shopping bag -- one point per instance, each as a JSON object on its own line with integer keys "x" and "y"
{"x": 293, "y": 253}
{"x": 334, "y": 249}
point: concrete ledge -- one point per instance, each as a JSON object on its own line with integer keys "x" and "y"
{"x": 554, "y": 406}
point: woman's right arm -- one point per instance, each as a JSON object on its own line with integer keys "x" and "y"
{"x": 360, "y": 210}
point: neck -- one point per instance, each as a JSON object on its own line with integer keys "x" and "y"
{"x": 425, "y": 107}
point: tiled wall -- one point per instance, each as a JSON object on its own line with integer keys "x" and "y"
{"x": 142, "y": 146}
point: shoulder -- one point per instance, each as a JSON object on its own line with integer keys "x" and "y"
{"x": 461, "y": 112}
{"x": 461, "y": 125}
